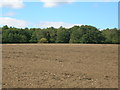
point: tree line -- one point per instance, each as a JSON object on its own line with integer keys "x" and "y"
{"x": 77, "y": 34}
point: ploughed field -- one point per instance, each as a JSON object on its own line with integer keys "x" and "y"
{"x": 60, "y": 66}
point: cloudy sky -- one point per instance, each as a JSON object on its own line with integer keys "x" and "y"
{"x": 67, "y": 13}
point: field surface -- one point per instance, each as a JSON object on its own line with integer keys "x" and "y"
{"x": 60, "y": 66}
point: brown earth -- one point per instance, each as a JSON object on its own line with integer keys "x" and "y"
{"x": 60, "y": 66}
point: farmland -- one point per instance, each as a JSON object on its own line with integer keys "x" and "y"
{"x": 60, "y": 65}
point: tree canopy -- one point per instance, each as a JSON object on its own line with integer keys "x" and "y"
{"x": 76, "y": 34}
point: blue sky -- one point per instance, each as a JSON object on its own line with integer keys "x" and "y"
{"x": 34, "y": 14}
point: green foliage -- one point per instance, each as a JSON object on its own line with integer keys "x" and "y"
{"x": 93, "y": 36}
{"x": 76, "y": 34}
{"x": 33, "y": 38}
{"x": 13, "y": 35}
{"x": 5, "y": 27}
{"x": 43, "y": 40}
{"x": 86, "y": 34}
{"x": 0, "y": 35}
{"x": 111, "y": 35}
{"x": 52, "y": 34}
{"x": 63, "y": 35}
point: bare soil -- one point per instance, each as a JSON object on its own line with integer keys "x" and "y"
{"x": 60, "y": 66}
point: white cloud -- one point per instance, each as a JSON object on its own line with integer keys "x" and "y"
{"x": 11, "y": 3}
{"x": 56, "y": 24}
{"x": 13, "y": 22}
{"x": 110, "y": 0}
{"x": 53, "y": 3}
{"x": 97, "y": 0}
{"x": 47, "y": 3}
{"x": 9, "y": 14}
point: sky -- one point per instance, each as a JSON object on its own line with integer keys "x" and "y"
{"x": 45, "y": 14}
